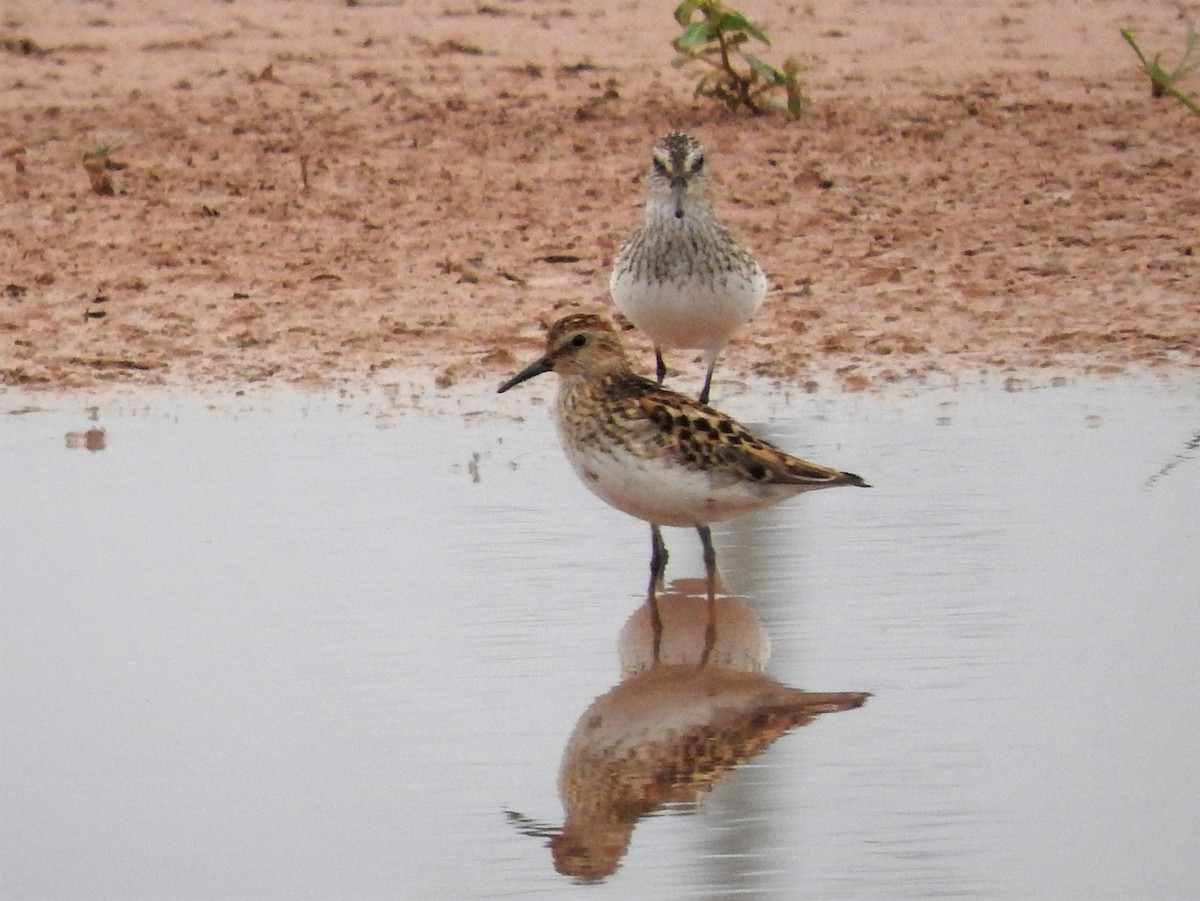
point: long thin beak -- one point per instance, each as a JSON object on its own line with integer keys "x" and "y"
{"x": 545, "y": 364}
{"x": 678, "y": 189}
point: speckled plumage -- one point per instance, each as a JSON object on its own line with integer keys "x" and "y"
{"x": 682, "y": 277}
{"x": 656, "y": 454}
{"x": 666, "y": 736}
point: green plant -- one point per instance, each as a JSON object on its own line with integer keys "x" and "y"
{"x": 1163, "y": 81}
{"x": 716, "y": 35}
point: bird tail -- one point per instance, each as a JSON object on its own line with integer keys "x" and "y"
{"x": 804, "y": 473}
{"x": 849, "y": 478}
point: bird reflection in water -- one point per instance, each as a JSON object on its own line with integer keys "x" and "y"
{"x": 672, "y": 729}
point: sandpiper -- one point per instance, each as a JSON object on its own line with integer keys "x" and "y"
{"x": 682, "y": 278}
{"x": 657, "y": 455}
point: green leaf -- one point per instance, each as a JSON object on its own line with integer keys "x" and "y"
{"x": 695, "y": 35}
{"x": 1183, "y": 98}
{"x": 715, "y": 84}
{"x": 706, "y": 84}
{"x": 766, "y": 72}
{"x": 795, "y": 101}
{"x": 1127, "y": 34}
{"x": 1190, "y": 60}
{"x": 684, "y": 11}
{"x": 735, "y": 21}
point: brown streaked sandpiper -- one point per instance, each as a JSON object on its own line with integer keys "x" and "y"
{"x": 658, "y": 455}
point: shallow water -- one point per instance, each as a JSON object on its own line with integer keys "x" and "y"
{"x": 321, "y": 646}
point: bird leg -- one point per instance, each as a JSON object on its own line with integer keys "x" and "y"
{"x": 710, "y": 570}
{"x": 660, "y": 366}
{"x": 707, "y": 383}
{"x": 658, "y": 566}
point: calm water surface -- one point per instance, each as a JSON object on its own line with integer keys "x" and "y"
{"x": 291, "y": 647}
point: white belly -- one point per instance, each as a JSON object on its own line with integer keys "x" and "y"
{"x": 665, "y": 494}
{"x": 689, "y": 313}
{"x": 686, "y": 282}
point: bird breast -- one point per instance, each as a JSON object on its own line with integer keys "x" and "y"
{"x": 660, "y": 490}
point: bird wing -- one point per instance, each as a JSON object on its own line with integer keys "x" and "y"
{"x": 699, "y": 437}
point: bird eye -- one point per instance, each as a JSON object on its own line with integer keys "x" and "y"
{"x": 698, "y": 165}
{"x": 659, "y": 166}
{"x": 579, "y": 341}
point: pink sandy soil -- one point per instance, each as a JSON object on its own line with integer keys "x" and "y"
{"x": 318, "y": 193}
